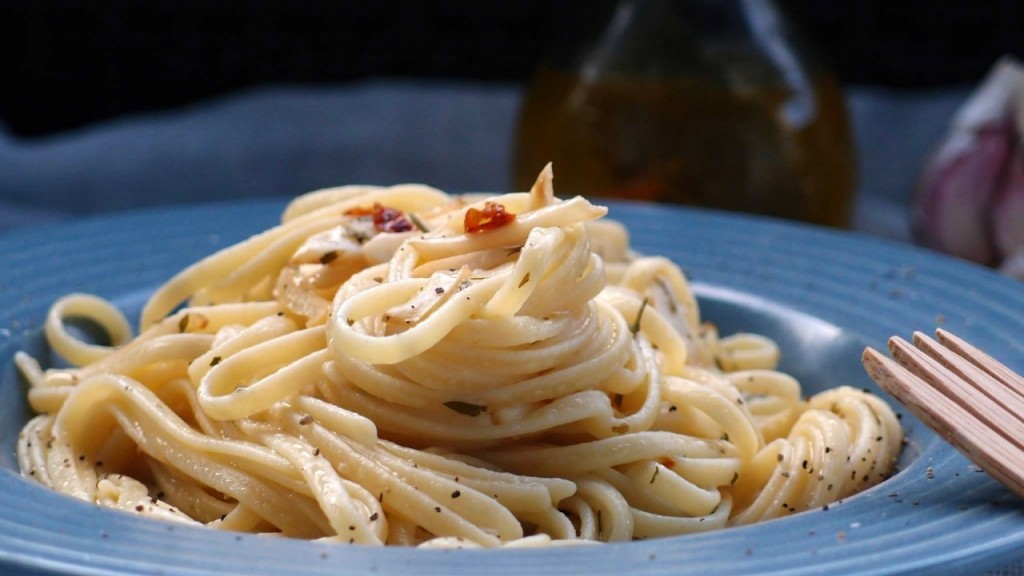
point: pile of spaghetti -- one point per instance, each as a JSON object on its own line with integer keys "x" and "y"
{"x": 402, "y": 366}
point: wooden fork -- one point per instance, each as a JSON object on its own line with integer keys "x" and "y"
{"x": 973, "y": 401}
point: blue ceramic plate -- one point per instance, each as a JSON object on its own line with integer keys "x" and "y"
{"x": 823, "y": 295}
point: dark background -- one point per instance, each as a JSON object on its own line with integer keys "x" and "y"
{"x": 73, "y": 63}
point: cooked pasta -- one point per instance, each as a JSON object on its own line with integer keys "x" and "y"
{"x": 403, "y": 366}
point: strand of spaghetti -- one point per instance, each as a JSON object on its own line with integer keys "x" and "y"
{"x": 515, "y": 332}
{"x": 346, "y": 423}
{"x": 757, "y": 473}
{"x": 192, "y": 279}
{"x": 572, "y": 460}
{"x": 76, "y": 424}
{"x": 772, "y": 398}
{"x": 318, "y": 199}
{"x": 875, "y": 433}
{"x": 31, "y": 448}
{"x": 132, "y": 359}
{"x": 516, "y": 491}
{"x": 182, "y": 395}
{"x": 120, "y": 492}
{"x": 578, "y": 278}
{"x": 648, "y": 525}
{"x": 706, "y": 472}
{"x": 542, "y": 193}
{"x": 636, "y": 493}
{"x": 228, "y": 344}
{"x": 339, "y": 199}
{"x": 232, "y": 284}
{"x": 614, "y": 519}
{"x": 214, "y": 321}
{"x": 584, "y": 517}
{"x": 662, "y": 281}
{"x": 48, "y": 399}
{"x": 117, "y": 453}
{"x": 455, "y": 429}
{"x": 256, "y": 476}
{"x": 35, "y": 375}
{"x": 459, "y": 368}
{"x": 346, "y": 341}
{"x": 724, "y": 411}
{"x": 418, "y": 250}
{"x": 187, "y": 495}
{"x": 68, "y": 473}
{"x": 654, "y": 516}
{"x": 456, "y": 497}
{"x": 686, "y": 497}
{"x": 639, "y": 494}
{"x": 819, "y": 469}
{"x": 634, "y": 418}
{"x": 555, "y": 272}
{"x": 402, "y": 496}
{"x": 484, "y": 259}
{"x": 189, "y": 281}
{"x": 241, "y": 518}
{"x": 280, "y": 507}
{"x": 211, "y": 319}
{"x": 600, "y": 356}
{"x": 347, "y": 516}
{"x": 787, "y": 489}
{"x": 88, "y": 307}
{"x": 745, "y": 351}
{"x": 254, "y": 379}
{"x": 544, "y": 248}
{"x": 673, "y": 351}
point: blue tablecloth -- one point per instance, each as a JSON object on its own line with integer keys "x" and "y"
{"x": 285, "y": 140}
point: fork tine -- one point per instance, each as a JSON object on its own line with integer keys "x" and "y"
{"x": 960, "y": 358}
{"x": 960, "y": 427}
{"x": 981, "y": 359}
{"x": 988, "y": 400}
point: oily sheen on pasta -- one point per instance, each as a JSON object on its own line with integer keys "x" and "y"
{"x": 403, "y": 366}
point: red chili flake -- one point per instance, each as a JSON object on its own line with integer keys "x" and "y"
{"x": 390, "y": 219}
{"x": 385, "y": 219}
{"x": 360, "y": 211}
{"x": 493, "y": 216}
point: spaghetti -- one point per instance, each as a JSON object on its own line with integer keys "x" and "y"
{"x": 403, "y": 366}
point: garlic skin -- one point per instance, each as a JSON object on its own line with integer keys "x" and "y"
{"x": 956, "y": 190}
{"x": 970, "y": 197}
{"x": 1008, "y": 207}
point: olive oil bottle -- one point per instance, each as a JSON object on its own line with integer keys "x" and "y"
{"x": 701, "y": 102}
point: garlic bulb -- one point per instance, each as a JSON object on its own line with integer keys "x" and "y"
{"x": 970, "y": 199}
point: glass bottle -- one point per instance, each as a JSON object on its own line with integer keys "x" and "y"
{"x": 714, "y": 103}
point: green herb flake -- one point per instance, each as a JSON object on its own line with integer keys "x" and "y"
{"x": 639, "y": 315}
{"x": 418, "y": 223}
{"x": 465, "y": 408}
